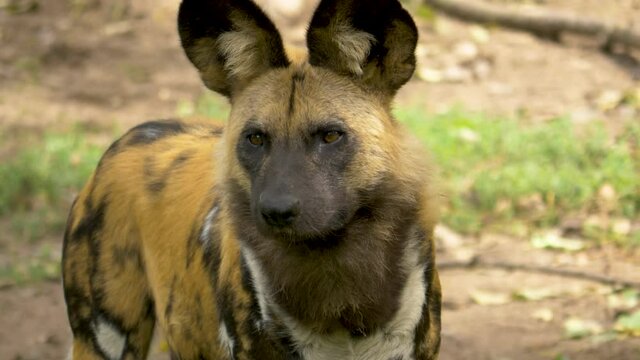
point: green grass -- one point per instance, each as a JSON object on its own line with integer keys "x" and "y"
{"x": 499, "y": 173}
{"x": 38, "y": 182}
{"x": 43, "y": 264}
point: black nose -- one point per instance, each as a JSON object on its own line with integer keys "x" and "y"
{"x": 279, "y": 210}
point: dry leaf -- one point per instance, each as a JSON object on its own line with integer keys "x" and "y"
{"x": 479, "y": 34}
{"x": 466, "y": 51}
{"x": 468, "y": 135}
{"x": 553, "y": 240}
{"x": 577, "y": 328}
{"x": 118, "y": 28}
{"x": 536, "y": 294}
{"x": 448, "y": 237}
{"x": 456, "y": 73}
{"x": 621, "y": 226}
{"x": 629, "y": 324}
{"x": 543, "y": 314}
{"x": 481, "y": 68}
{"x": 484, "y": 297}
{"x": 607, "y": 193}
{"x": 609, "y": 99}
{"x": 430, "y": 75}
{"x": 625, "y": 300}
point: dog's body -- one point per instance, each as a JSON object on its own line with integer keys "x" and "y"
{"x": 301, "y": 231}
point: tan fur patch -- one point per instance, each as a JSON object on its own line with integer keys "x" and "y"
{"x": 239, "y": 47}
{"x": 354, "y": 45}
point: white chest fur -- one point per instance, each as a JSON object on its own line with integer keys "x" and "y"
{"x": 394, "y": 341}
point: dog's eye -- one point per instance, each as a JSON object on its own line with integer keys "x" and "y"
{"x": 331, "y": 136}
{"x": 256, "y": 139}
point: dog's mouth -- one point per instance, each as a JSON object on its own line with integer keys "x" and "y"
{"x": 312, "y": 242}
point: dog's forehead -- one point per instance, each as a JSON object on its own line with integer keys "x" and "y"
{"x": 301, "y": 96}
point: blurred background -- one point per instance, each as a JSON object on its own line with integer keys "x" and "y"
{"x": 536, "y": 137}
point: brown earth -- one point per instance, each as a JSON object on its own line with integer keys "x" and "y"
{"x": 104, "y": 65}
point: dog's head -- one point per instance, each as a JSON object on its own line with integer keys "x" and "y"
{"x": 309, "y": 145}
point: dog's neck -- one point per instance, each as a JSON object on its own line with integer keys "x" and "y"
{"x": 328, "y": 292}
{"x": 383, "y": 322}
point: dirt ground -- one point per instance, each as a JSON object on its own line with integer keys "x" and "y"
{"x": 72, "y": 62}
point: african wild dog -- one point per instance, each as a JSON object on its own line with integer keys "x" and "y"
{"x": 301, "y": 231}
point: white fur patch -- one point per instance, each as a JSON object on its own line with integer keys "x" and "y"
{"x": 110, "y": 340}
{"x": 224, "y": 338}
{"x": 396, "y": 339}
{"x": 355, "y": 45}
{"x": 205, "y": 239}
{"x": 259, "y": 282}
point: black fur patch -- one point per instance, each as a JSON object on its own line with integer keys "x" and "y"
{"x": 216, "y": 131}
{"x": 91, "y": 222}
{"x": 169, "y": 309}
{"x": 113, "y": 149}
{"x": 193, "y": 243}
{"x": 152, "y": 131}
{"x": 136, "y": 349}
{"x": 431, "y": 306}
{"x": 78, "y": 302}
{"x": 123, "y": 255}
{"x": 158, "y": 181}
{"x": 225, "y": 309}
{"x": 298, "y": 78}
{"x": 90, "y": 229}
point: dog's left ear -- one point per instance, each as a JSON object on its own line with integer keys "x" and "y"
{"x": 371, "y": 41}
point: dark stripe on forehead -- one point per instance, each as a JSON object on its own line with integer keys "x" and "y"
{"x": 298, "y": 77}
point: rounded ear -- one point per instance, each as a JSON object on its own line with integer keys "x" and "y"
{"x": 372, "y": 41}
{"x": 229, "y": 42}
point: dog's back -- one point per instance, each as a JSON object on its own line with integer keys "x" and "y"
{"x": 301, "y": 231}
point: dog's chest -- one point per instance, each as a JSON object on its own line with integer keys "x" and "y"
{"x": 386, "y": 344}
{"x": 395, "y": 341}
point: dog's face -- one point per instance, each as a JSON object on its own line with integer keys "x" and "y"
{"x": 305, "y": 143}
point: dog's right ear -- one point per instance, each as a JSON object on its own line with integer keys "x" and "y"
{"x": 229, "y": 42}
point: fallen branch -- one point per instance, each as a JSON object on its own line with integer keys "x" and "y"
{"x": 541, "y": 23}
{"x": 477, "y": 262}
